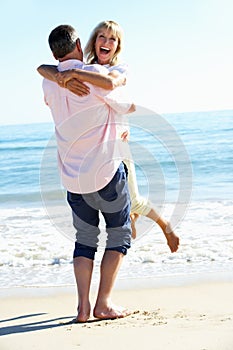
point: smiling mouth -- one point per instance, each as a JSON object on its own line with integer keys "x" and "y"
{"x": 104, "y": 50}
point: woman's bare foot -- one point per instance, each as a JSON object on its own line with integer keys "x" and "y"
{"x": 83, "y": 313}
{"x": 134, "y": 218}
{"x": 110, "y": 312}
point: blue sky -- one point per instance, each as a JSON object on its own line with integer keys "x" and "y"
{"x": 180, "y": 52}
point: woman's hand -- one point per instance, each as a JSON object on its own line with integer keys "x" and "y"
{"x": 65, "y": 79}
{"x": 77, "y": 87}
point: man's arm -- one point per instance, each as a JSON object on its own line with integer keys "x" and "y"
{"x": 131, "y": 109}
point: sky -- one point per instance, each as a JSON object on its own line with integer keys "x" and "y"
{"x": 180, "y": 52}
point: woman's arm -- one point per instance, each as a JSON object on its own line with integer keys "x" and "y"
{"x": 108, "y": 82}
{"x": 51, "y": 73}
{"x": 48, "y": 72}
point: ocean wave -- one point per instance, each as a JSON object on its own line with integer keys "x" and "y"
{"x": 31, "y": 241}
{"x": 21, "y": 148}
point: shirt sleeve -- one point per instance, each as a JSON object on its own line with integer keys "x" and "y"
{"x": 118, "y": 99}
{"x": 48, "y": 96}
{"x": 96, "y": 68}
{"x": 122, "y": 68}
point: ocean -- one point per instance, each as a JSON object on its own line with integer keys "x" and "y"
{"x": 184, "y": 165}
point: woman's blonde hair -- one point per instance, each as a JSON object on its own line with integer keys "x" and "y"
{"x": 89, "y": 50}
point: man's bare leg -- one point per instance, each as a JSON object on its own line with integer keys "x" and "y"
{"x": 83, "y": 268}
{"x": 172, "y": 239}
{"x": 104, "y": 309}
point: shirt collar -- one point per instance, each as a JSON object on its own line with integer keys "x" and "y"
{"x": 68, "y": 64}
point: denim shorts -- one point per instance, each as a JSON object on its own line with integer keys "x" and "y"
{"x": 113, "y": 201}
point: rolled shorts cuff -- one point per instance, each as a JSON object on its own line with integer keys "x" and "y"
{"x": 84, "y": 250}
{"x": 120, "y": 249}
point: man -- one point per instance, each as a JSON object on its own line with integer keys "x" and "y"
{"x": 90, "y": 163}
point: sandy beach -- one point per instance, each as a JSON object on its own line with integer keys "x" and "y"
{"x": 193, "y": 317}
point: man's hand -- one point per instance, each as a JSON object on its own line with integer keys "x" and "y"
{"x": 125, "y": 136}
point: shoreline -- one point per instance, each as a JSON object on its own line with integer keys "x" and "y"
{"x": 197, "y": 316}
{"x": 123, "y": 284}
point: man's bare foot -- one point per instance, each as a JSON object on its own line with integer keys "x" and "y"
{"x": 83, "y": 313}
{"x": 134, "y": 218}
{"x": 110, "y": 312}
{"x": 173, "y": 240}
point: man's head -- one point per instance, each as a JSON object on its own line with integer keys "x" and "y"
{"x": 65, "y": 44}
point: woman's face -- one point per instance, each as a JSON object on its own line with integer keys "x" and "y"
{"x": 105, "y": 46}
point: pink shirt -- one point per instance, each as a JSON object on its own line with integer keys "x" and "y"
{"x": 89, "y": 150}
